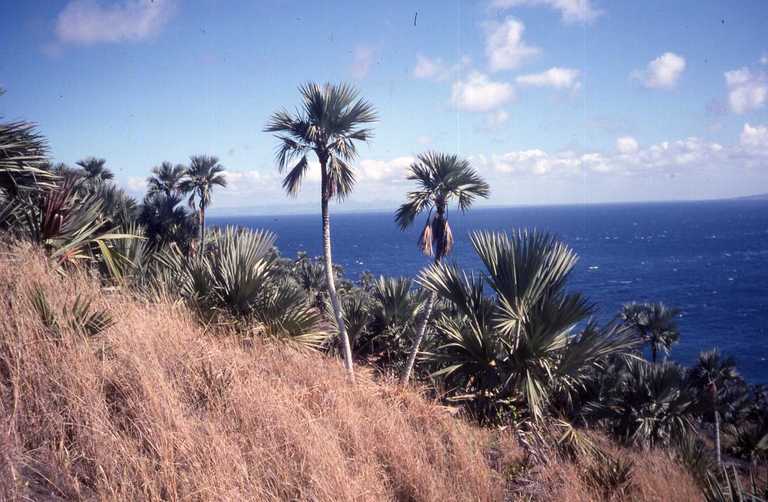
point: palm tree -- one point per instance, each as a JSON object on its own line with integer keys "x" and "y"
{"x": 712, "y": 373}
{"x": 441, "y": 177}
{"x": 328, "y": 124}
{"x": 517, "y": 346}
{"x": 203, "y": 174}
{"x": 655, "y": 324}
{"x": 166, "y": 179}
{"x": 23, "y": 164}
{"x": 95, "y": 170}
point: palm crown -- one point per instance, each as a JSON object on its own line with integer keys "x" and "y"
{"x": 441, "y": 177}
{"x": 329, "y": 124}
{"x": 203, "y": 174}
{"x": 655, "y": 324}
{"x": 166, "y": 178}
{"x": 95, "y": 170}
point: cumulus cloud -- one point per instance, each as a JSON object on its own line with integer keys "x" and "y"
{"x": 747, "y": 90}
{"x": 690, "y": 154}
{"x": 89, "y": 22}
{"x": 363, "y": 58}
{"x": 505, "y": 46}
{"x": 478, "y": 93}
{"x": 571, "y": 11}
{"x": 754, "y": 137}
{"x": 626, "y": 144}
{"x": 558, "y": 78}
{"x": 381, "y": 170}
{"x": 663, "y": 72}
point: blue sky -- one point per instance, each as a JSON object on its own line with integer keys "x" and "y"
{"x": 554, "y": 101}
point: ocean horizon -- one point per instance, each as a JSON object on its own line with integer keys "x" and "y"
{"x": 707, "y": 258}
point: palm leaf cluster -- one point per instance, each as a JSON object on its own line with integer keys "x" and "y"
{"x": 235, "y": 278}
{"x": 23, "y": 159}
{"x": 516, "y": 346}
{"x": 440, "y": 178}
{"x": 328, "y": 124}
{"x": 381, "y": 319}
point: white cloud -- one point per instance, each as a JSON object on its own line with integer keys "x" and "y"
{"x": 136, "y": 184}
{"x": 497, "y": 119}
{"x": 436, "y": 69}
{"x": 362, "y": 60}
{"x": 427, "y": 67}
{"x": 380, "y": 170}
{"x": 505, "y": 47}
{"x": 663, "y": 72}
{"x": 558, "y": 78}
{"x": 571, "y": 11}
{"x": 690, "y": 154}
{"x": 747, "y": 90}
{"x": 88, "y": 22}
{"x": 754, "y": 137}
{"x": 764, "y": 59}
{"x": 626, "y": 144}
{"x": 478, "y": 93}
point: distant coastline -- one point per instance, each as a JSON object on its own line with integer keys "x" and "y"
{"x": 383, "y": 207}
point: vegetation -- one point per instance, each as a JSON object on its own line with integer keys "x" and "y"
{"x": 441, "y": 178}
{"x": 192, "y": 353}
{"x": 330, "y": 122}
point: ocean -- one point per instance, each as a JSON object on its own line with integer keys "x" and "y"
{"x": 709, "y": 259}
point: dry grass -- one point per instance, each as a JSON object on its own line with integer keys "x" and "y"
{"x": 157, "y": 408}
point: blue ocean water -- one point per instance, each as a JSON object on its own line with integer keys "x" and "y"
{"x": 710, "y": 259}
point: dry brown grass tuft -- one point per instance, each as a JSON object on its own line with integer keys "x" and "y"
{"x": 157, "y": 408}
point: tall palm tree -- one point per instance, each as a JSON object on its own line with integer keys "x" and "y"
{"x": 95, "y": 170}
{"x": 441, "y": 177}
{"x": 655, "y": 324}
{"x": 166, "y": 179}
{"x": 203, "y": 174}
{"x": 328, "y": 125}
{"x": 711, "y": 374}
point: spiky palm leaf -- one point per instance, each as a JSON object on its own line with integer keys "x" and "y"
{"x": 441, "y": 178}
{"x": 655, "y": 323}
{"x": 518, "y": 343}
{"x": 328, "y": 124}
{"x": 23, "y": 164}
{"x": 95, "y": 171}
{"x": 166, "y": 178}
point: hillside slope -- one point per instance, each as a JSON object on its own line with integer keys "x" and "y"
{"x": 159, "y": 408}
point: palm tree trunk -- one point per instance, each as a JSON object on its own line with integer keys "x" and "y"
{"x": 717, "y": 438}
{"x": 202, "y": 229}
{"x": 406, "y": 375}
{"x": 337, "y": 312}
{"x": 653, "y": 352}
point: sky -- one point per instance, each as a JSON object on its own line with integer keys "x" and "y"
{"x": 552, "y": 101}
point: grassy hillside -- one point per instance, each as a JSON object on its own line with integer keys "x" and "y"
{"x": 158, "y": 407}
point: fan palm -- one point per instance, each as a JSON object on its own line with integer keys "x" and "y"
{"x": 328, "y": 124}
{"x": 203, "y": 175}
{"x": 22, "y": 158}
{"x": 95, "y": 170}
{"x": 517, "y": 344}
{"x": 166, "y": 179}
{"x": 441, "y": 177}
{"x": 711, "y": 374}
{"x": 650, "y": 404}
{"x": 655, "y": 324}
